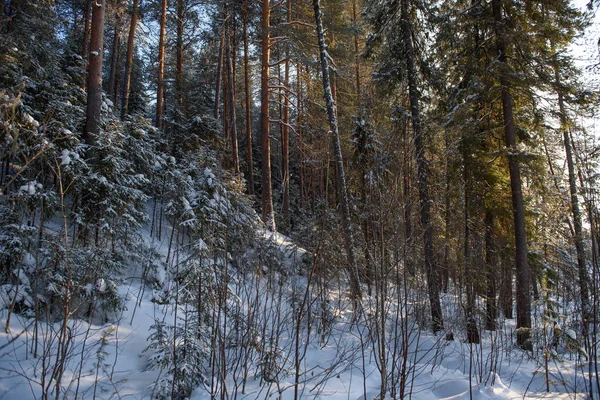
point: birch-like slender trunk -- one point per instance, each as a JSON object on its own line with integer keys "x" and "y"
{"x": 339, "y": 162}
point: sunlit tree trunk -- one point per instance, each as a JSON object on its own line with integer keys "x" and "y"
{"x": 179, "y": 54}
{"x": 268, "y": 216}
{"x": 247, "y": 102}
{"x": 94, "y": 84}
{"x": 230, "y": 89}
{"x": 129, "y": 59}
{"x": 285, "y": 132}
{"x": 160, "y": 95}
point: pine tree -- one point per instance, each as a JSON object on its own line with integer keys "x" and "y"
{"x": 93, "y": 125}
{"x": 265, "y": 123}
{"x": 129, "y": 59}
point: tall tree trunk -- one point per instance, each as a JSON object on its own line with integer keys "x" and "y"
{"x": 299, "y": 133}
{"x": 129, "y": 60}
{"x": 575, "y": 210}
{"x": 179, "y": 54}
{"x": 268, "y": 216}
{"x": 219, "y": 78}
{"x": 339, "y": 162}
{"x": 490, "y": 257}
{"x": 407, "y": 203}
{"x": 161, "y": 65}
{"x": 285, "y": 133}
{"x": 94, "y": 84}
{"x": 113, "y": 82}
{"x": 424, "y": 199}
{"x": 247, "y": 103}
{"x": 447, "y": 212}
{"x": 522, "y": 267}
{"x": 231, "y": 100}
{"x": 2, "y": 16}
{"x": 86, "y": 39}
{"x": 356, "y": 49}
{"x": 468, "y": 264}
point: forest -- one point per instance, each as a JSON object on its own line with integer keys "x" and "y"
{"x": 299, "y": 199}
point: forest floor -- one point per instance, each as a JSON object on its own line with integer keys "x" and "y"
{"x": 109, "y": 361}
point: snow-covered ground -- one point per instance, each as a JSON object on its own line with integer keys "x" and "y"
{"x": 336, "y": 356}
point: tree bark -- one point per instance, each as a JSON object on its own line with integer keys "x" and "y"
{"x": 268, "y": 216}
{"x": 575, "y": 210}
{"x": 285, "y": 133}
{"x": 356, "y": 50}
{"x": 247, "y": 103}
{"x": 422, "y": 173}
{"x": 93, "y": 121}
{"x": 490, "y": 257}
{"x": 339, "y": 162}
{"x": 161, "y": 65}
{"x": 2, "y": 16}
{"x": 231, "y": 100}
{"x": 86, "y": 34}
{"x": 220, "y": 67}
{"x": 523, "y": 282}
{"x": 468, "y": 264}
{"x": 129, "y": 60}
{"x": 179, "y": 54}
{"x": 113, "y": 82}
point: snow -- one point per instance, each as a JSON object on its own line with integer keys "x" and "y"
{"x": 30, "y": 188}
{"x": 334, "y": 366}
{"x": 66, "y": 158}
{"x": 571, "y": 334}
{"x": 30, "y": 120}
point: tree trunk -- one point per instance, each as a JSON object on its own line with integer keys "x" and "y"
{"x": 2, "y": 16}
{"x": 231, "y": 101}
{"x": 575, "y": 210}
{"x": 129, "y": 60}
{"x": 446, "y": 267}
{"x": 285, "y": 133}
{"x": 220, "y": 66}
{"x": 490, "y": 257}
{"x": 422, "y": 173}
{"x": 299, "y": 133}
{"x": 161, "y": 65}
{"x": 356, "y": 50}
{"x": 93, "y": 121}
{"x": 522, "y": 267}
{"x": 179, "y": 54}
{"x": 247, "y": 102}
{"x": 86, "y": 41}
{"x": 113, "y": 82}
{"x": 339, "y": 162}
{"x": 468, "y": 264}
{"x": 268, "y": 216}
